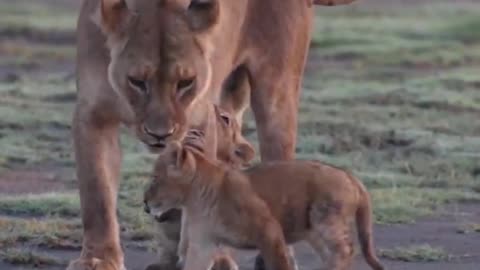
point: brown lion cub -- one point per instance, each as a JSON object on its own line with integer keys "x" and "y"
{"x": 264, "y": 207}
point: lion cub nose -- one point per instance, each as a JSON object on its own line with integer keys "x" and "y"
{"x": 146, "y": 208}
{"x": 160, "y": 135}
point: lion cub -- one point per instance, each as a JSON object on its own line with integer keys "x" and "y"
{"x": 264, "y": 207}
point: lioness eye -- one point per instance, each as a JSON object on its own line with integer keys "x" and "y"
{"x": 138, "y": 84}
{"x": 200, "y": 4}
{"x": 185, "y": 85}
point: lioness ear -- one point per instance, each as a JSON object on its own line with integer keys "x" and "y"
{"x": 203, "y": 14}
{"x": 112, "y": 16}
{"x": 332, "y": 2}
{"x": 245, "y": 152}
{"x": 235, "y": 96}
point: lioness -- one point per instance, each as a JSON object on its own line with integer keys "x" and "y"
{"x": 146, "y": 63}
{"x": 263, "y": 208}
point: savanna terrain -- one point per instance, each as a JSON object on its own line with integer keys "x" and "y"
{"x": 392, "y": 92}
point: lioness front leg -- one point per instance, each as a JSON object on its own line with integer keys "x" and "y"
{"x": 98, "y": 158}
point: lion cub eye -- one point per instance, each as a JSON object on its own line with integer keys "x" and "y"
{"x": 184, "y": 86}
{"x": 141, "y": 85}
{"x": 225, "y": 119}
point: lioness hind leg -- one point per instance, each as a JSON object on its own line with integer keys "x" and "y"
{"x": 334, "y": 244}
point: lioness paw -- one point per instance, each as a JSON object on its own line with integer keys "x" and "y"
{"x": 223, "y": 263}
{"x": 94, "y": 264}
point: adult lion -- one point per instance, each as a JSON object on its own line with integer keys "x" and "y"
{"x": 146, "y": 63}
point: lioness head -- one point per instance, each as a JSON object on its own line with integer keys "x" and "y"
{"x": 159, "y": 62}
{"x": 172, "y": 178}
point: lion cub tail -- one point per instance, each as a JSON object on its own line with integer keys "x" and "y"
{"x": 363, "y": 219}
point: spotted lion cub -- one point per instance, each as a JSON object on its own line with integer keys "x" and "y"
{"x": 264, "y": 207}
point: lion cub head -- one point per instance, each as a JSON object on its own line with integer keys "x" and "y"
{"x": 172, "y": 178}
{"x": 232, "y": 148}
{"x": 159, "y": 60}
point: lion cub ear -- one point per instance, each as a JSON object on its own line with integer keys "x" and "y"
{"x": 235, "y": 96}
{"x": 203, "y": 14}
{"x": 112, "y": 16}
{"x": 245, "y": 152}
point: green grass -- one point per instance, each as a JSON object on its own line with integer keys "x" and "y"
{"x": 403, "y": 205}
{"x": 37, "y": 16}
{"x": 50, "y": 204}
{"x": 22, "y": 257}
{"x": 416, "y": 253}
{"x": 51, "y": 233}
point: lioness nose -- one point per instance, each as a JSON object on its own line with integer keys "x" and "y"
{"x": 146, "y": 208}
{"x": 159, "y": 135}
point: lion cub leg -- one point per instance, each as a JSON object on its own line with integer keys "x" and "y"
{"x": 273, "y": 247}
{"x": 334, "y": 244}
{"x": 183, "y": 244}
{"x": 291, "y": 254}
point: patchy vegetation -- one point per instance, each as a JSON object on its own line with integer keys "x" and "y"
{"x": 52, "y": 204}
{"x": 416, "y": 253}
{"x": 17, "y": 256}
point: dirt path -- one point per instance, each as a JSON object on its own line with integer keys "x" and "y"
{"x": 443, "y": 231}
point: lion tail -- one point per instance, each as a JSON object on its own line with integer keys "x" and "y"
{"x": 363, "y": 219}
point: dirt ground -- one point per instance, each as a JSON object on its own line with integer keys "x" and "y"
{"x": 440, "y": 230}
{"x": 46, "y": 166}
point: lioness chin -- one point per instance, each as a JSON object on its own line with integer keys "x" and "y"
{"x": 238, "y": 208}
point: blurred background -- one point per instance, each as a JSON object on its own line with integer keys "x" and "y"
{"x": 392, "y": 92}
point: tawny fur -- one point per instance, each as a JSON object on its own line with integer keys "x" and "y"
{"x": 183, "y": 52}
{"x": 223, "y": 262}
{"x": 266, "y": 207}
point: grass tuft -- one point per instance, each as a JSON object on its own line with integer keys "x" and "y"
{"x": 416, "y": 253}
{"x": 26, "y": 257}
{"x": 50, "y": 204}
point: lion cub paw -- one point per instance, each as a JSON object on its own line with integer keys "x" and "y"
{"x": 94, "y": 264}
{"x": 223, "y": 262}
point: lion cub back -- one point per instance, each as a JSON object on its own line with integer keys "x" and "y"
{"x": 292, "y": 188}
